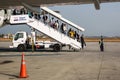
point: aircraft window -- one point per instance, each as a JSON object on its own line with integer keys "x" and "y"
{"x": 18, "y": 35}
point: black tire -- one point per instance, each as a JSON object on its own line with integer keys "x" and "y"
{"x": 21, "y": 47}
{"x": 57, "y": 47}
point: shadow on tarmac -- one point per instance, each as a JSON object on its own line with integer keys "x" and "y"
{"x": 35, "y": 53}
{"x": 6, "y": 62}
{"x": 17, "y": 55}
{"x": 29, "y": 50}
{"x": 11, "y": 75}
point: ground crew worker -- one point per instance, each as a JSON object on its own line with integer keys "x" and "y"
{"x": 101, "y": 43}
{"x": 82, "y": 41}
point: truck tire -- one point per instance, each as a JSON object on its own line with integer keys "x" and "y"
{"x": 57, "y": 47}
{"x": 21, "y": 47}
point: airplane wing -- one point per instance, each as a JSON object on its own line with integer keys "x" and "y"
{"x": 7, "y": 3}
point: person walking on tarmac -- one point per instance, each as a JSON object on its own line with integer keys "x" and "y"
{"x": 101, "y": 43}
{"x": 82, "y": 41}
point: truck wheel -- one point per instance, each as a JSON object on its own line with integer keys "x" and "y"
{"x": 21, "y": 48}
{"x": 57, "y": 47}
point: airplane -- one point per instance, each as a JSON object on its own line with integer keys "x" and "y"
{"x": 29, "y": 4}
{"x": 7, "y": 3}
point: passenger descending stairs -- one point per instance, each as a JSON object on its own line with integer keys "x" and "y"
{"x": 53, "y": 33}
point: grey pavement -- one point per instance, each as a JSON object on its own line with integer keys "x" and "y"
{"x": 87, "y": 64}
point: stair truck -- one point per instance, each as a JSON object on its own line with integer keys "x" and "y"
{"x": 22, "y": 42}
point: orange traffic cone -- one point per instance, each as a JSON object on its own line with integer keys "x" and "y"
{"x": 23, "y": 73}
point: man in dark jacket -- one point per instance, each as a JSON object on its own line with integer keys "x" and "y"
{"x": 101, "y": 44}
{"x": 82, "y": 41}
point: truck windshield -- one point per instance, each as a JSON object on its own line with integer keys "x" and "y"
{"x": 18, "y": 35}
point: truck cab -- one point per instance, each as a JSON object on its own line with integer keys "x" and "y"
{"x": 20, "y": 41}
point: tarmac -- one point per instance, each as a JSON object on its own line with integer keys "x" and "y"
{"x": 87, "y": 64}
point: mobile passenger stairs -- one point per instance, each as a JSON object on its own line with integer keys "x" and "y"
{"x": 46, "y": 29}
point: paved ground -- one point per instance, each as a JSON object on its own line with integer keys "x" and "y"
{"x": 88, "y": 64}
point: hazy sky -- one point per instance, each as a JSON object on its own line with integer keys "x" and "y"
{"x": 105, "y": 21}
